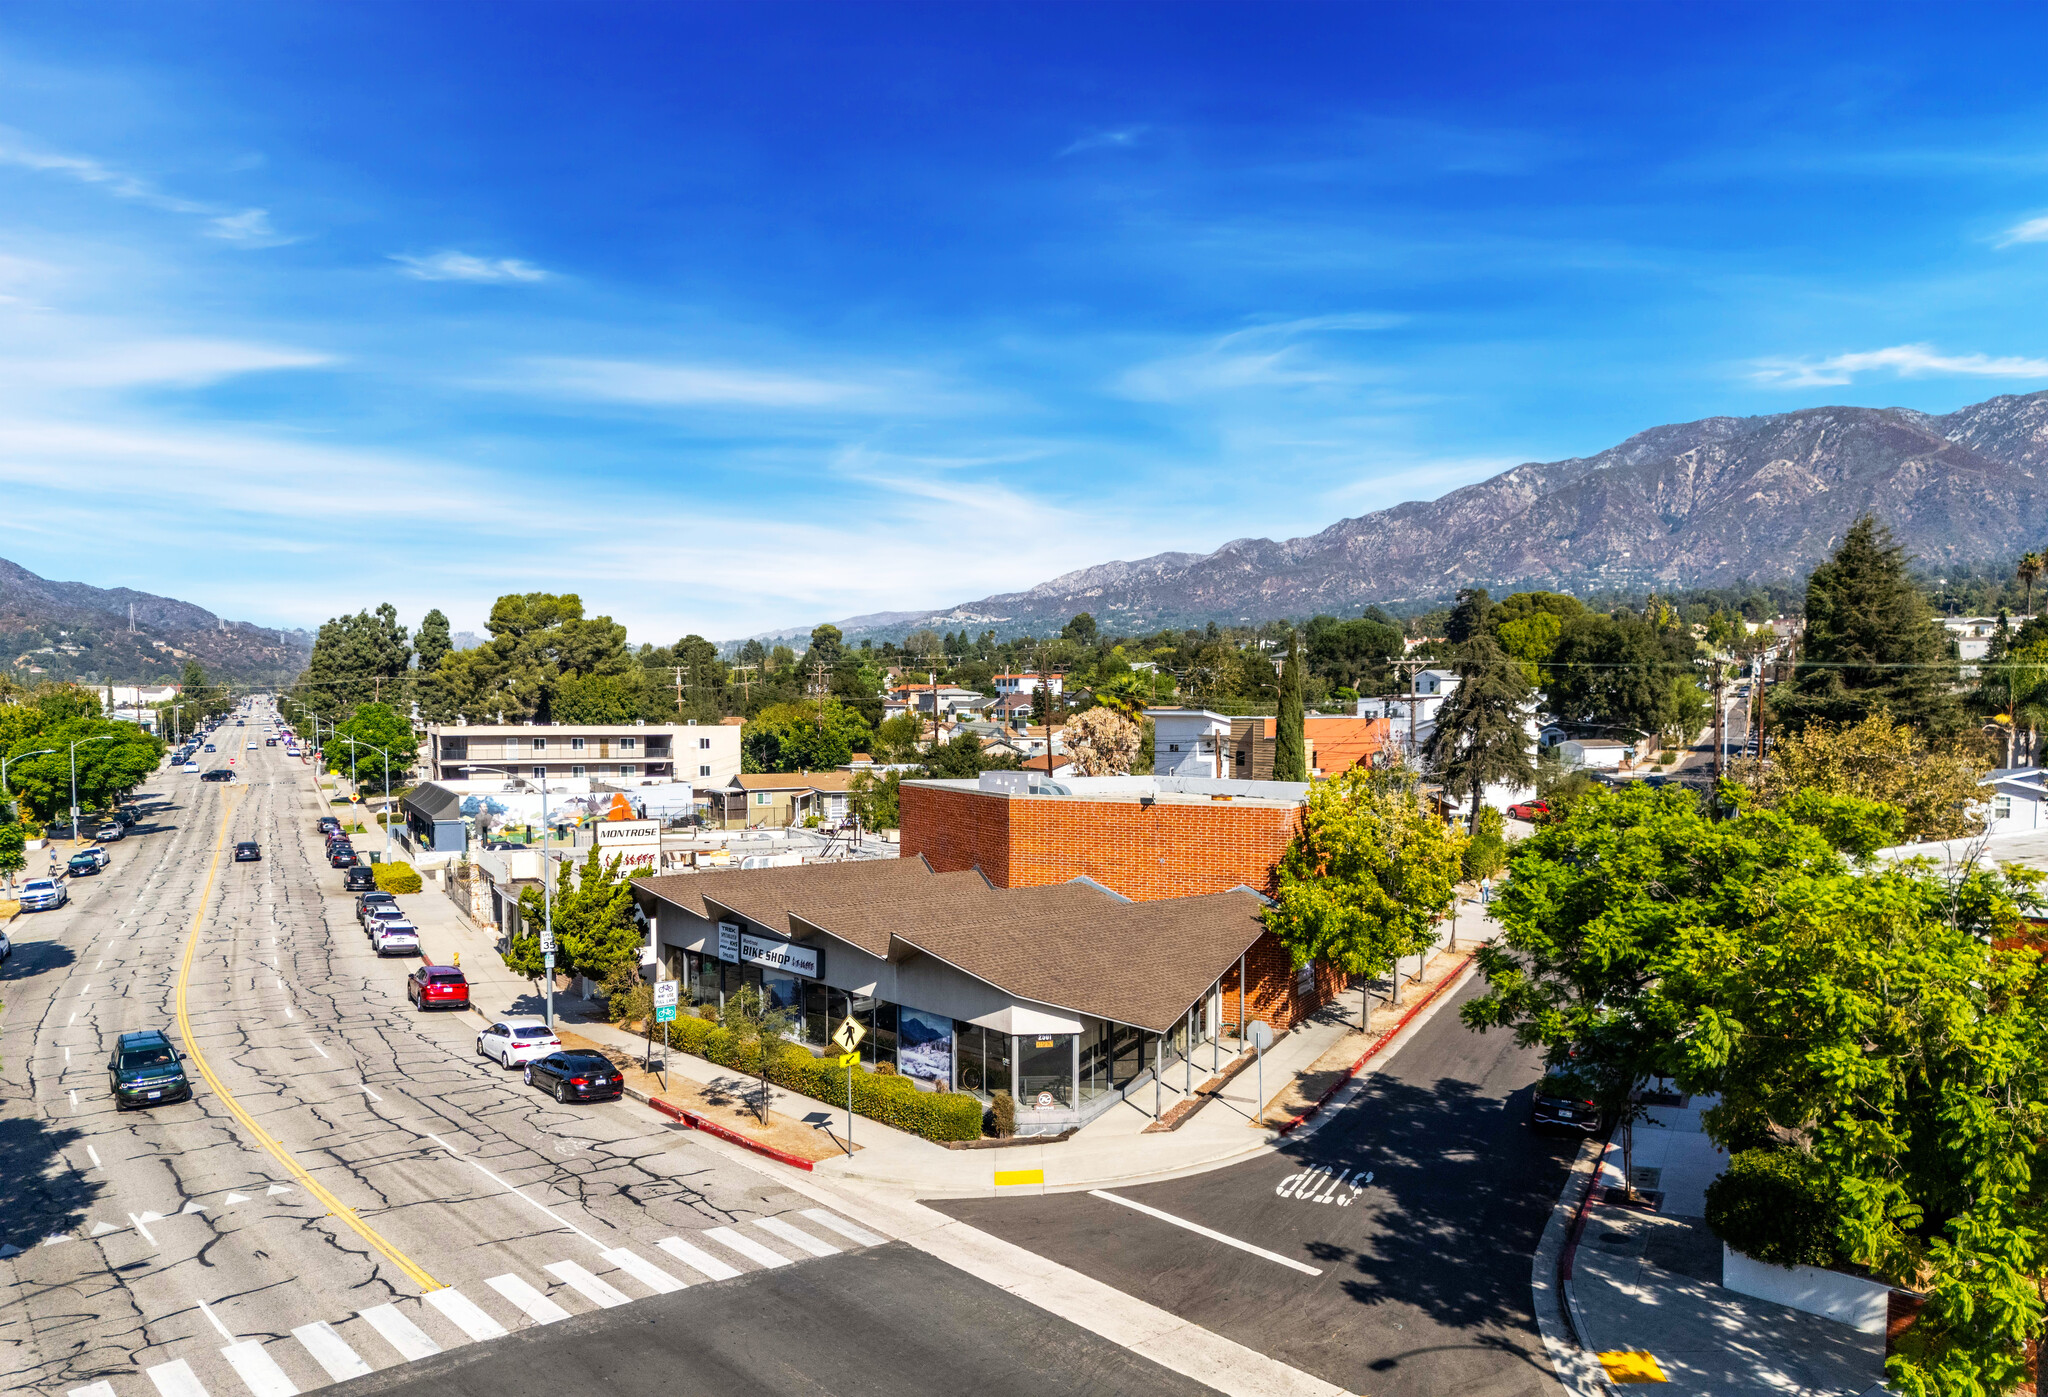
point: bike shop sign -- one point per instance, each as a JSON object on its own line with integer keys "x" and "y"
{"x": 634, "y": 843}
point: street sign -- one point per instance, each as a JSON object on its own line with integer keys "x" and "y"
{"x": 664, "y": 1013}
{"x": 1260, "y": 1035}
{"x": 849, "y": 1060}
{"x": 547, "y": 942}
{"x": 665, "y": 993}
{"x": 849, "y": 1035}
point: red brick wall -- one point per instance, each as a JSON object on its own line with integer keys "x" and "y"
{"x": 1142, "y": 851}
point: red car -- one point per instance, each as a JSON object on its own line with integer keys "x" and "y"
{"x": 1529, "y": 811}
{"x": 437, "y": 987}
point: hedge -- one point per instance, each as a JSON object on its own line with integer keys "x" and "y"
{"x": 397, "y": 878}
{"x": 892, "y": 1100}
{"x": 1769, "y": 1205}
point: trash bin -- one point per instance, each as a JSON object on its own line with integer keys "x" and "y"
{"x": 375, "y": 857}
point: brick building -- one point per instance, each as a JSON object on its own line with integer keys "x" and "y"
{"x": 1144, "y": 838}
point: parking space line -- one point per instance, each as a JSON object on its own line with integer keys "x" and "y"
{"x": 1210, "y": 1233}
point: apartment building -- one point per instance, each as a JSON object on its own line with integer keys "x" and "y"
{"x": 704, "y": 754}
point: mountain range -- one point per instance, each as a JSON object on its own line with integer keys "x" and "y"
{"x": 70, "y": 630}
{"x": 1710, "y": 503}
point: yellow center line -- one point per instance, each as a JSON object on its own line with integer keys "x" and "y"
{"x": 269, "y": 1142}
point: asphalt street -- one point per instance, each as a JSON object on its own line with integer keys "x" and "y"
{"x": 1388, "y": 1253}
{"x": 352, "y": 1190}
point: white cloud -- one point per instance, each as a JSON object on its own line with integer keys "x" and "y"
{"x": 1276, "y": 355}
{"x": 461, "y": 266}
{"x": 1120, "y": 138}
{"x": 248, "y": 227}
{"x": 2034, "y": 230}
{"x": 187, "y": 363}
{"x": 1903, "y": 360}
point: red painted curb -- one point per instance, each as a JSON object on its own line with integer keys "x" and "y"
{"x": 1369, "y": 1054}
{"x": 712, "y": 1127}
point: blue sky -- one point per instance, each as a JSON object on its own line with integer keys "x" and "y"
{"x": 739, "y": 317}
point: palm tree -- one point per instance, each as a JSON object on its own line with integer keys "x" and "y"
{"x": 2030, "y": 567}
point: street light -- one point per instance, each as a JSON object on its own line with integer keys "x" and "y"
{"x": 546, "y": 880}
{"x": 352, "y": 745}
{"x": 103, "y": 737}
{"x": 6, "y": 794}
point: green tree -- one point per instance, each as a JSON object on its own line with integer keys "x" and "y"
{"x": 433, "y": 641}
{"x": 353, "y": 747}
{"x": 1290, "y": 740}
{"x": 1613, "y": 672}
{"x": 1531, "y": 640}
{"x": 1349, "y": 654}
{"x": 1871, "y": 641}
{"x": 113, "y": 759}
{"x": 595, "y": 930}
{"x": 358, "y": 659}
{"x": 597, "y": 698}
{"x": 898, "y": 739}
{"x": 1081, "y": 629}
{"x": 1471, "y": 616}
{"x": 13, "y": 851}
{"x": 1368, "y": 876}
{"x": 1933, "y": 786}
{"x": 792, "y": 737}
{"x": 874, "y": 799}
{"x": 963, "y": 758}
{"x": 1479, "y": 738}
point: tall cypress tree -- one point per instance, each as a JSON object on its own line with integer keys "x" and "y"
{"x": 1479, "y": 738}
{"x": 1871, "y": 643}
{"x": 1290, "y": 738}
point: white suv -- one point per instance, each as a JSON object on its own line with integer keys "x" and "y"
{"x": 394, "y": 936}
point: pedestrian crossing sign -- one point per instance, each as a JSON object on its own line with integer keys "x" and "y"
{"x": 849, "y": 1060}
{"x": 849, "y": 1035}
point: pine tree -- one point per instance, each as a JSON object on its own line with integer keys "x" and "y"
{"x": 1479, "y": 739}
{"x": 433, "y": 641}
{"x": 1290, "y": 738}
{"x": 1871, "y": 643}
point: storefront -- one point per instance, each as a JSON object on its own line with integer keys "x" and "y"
{"x": 1064, "y": 997}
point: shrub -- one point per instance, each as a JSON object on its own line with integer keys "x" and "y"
{"x": 1004, "y": 1112}
{"x": 627, "y": 996}
{"x": 1486, "y": 852}
{"x": 1770, "y": 1206}
{"x": 397, "y": 878}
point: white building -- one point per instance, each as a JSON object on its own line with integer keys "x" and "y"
{"x": 1188, "y": 742}
{"x": 1007, "y": 684}
{"x": 1972, "y": 635}
{"x": 704, "y": 754}
{"x": 1593, "y": 753}
{"x": 2013, "y": 800}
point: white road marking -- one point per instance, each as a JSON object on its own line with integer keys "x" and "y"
{"x": 559, "y": 1220}
{"x": 98, "y": 966}
{"x": 258, "y": 1370}
{"x": 67, "y": 1057}
{"x": 196, "y": 1207}
{"x": 207, "y": 1310}
{"x": 796, "y": 1236}
{"x": 72, "y": 1020}
{"x": 86, "y": 991}
{"x": 101, "y": 1229}
{"x": 288, "y": 1012}
{"x": 331, "y": 1351}
{"x": 317, "y": 1048}
{"x": 844, "y": 1228}
{"x": 97, "y": 1389}
{"x": 74, "y": 1098}
{"x": 585, "y": 1284}
{"x": 1210, "y": 1233}
{"x": 643, "y": 1271}
{"x": 234, "y": 1198}
{"x": 746, "y": 1246}
{"x": 537, "y": 1306}
{"x": 400, "y": 1332}
{"x": 140, "y": 1228}
{"x": 176, "y": 1379}
{"x": 697, "y": 1259}
{"x": 364, "y": 1088}
{"x": 274, "y": 1190}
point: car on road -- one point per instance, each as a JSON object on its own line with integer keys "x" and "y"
{"x": 43, "y": 895}
{"x": 395, "y": 936}
{"x": 1562, "y": 1104}
{"x": 516, "y": 1042}
{"x": 576, "y": 1076}
{"x": 209, "y": 746}
{"x": 373, "y": 899}
{"x": 110, "y": 831}
{"x": 1529, "y": 810}
{"x": 219, "y": 773}
{"x": 270, "y": 742}
{"x": 329, "y": 825}
{"x": 145, "y": 1068}
{"x": 437, "y": 987}
{"x": 83, "y": 865}
{"x": 191, "y": 768}
{"x": 341, "y": 856}
{"x": 361, "y": 878}
{"x": 252, "y": 746}
{"x": 248, "y": 851}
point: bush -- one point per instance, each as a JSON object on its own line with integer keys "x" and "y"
{"x": 627, "y": 995}
{"x": 936, "y": 1115}
{"x": 1004, "y": 1114}
{"x": 1486, "y": 853}
{"x": 1770, "y": 1206}
{"x": 397, "y": 878}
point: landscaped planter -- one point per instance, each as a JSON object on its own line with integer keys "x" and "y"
{"x": 1852, "y": 1300}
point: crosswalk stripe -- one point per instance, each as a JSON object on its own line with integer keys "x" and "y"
{"x": 796, "y": 1236}
{"x": 176, "y": 1379}
{"x": 331, "y": 1351}
{"x": 400, "y": 1332}
{"x": 697, "y": 1259}
{"x": 586, "y": 1285}
{"x": 92, "y": 1389}
{"x": 538, "y": 1307}
{"x": 746, "y": 1246}
{"x": 258, "y": 1370}
{"x": 465, "y": 1314}
{"x": 844, "y": 1228}
{"x": 642, "y": 1270}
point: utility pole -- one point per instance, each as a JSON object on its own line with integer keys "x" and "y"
{"x": 679, "y": 688}
{"x": 818, "y": 683}
{"x": 1413, "y": 667}
{"x": 1720, "y": 721}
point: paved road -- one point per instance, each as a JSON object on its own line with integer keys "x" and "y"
{"x": 1421, "y": 1276}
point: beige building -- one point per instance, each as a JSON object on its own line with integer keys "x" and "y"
{"x": 707, "y": 755}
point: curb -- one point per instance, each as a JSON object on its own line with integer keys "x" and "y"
{"x": 695, "y": 1121}
{"x": 1316, "y": 1107}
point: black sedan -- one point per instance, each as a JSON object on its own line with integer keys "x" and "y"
{"x": 576, "y": 1076}
{"x": 341, "y": 856}
{"x": 248, "y": 851}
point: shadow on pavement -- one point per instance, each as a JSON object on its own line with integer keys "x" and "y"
{"x": 41, "y": 1195}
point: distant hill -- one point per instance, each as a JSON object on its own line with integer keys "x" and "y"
{"x": 71, "y": 630}
{"x": 1708, "y": 503}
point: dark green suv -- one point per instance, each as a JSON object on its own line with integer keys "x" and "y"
{"x": 146, "y": 1069}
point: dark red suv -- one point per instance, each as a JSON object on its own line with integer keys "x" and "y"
{"x": 437, "y": 987}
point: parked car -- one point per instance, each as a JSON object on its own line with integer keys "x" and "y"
{"x": 145, "y": 1068}
{"x": 576, "y": 1076}
{"x": 83, "y": 865}
{"x": 329, "y": 825}
{"x": 209, "y": 746}
{"x": 1562, "y": 1104}
{"x": 359, "y": 879}
{"x": 6, "y": 946}
{"x": 373, "y": 899}
{"x": 248, "y": 851}
{"x": 437, "y": 987}
{"x": 516, "y": 1042}
{"x": 395, "y": 936}
{"x": 270, "y": 742}
{"x": 43, "y": 895}
{"x": 341, "y": 856}
{"x": 1529, "y": 810}
{"x": 110, "y": 831}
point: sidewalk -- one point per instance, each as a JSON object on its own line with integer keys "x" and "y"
{"x": 1645, "y": 1282}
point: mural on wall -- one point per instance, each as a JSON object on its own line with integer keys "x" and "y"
{"x": 520, "y": 808}
{"x": 924, "y": 1045}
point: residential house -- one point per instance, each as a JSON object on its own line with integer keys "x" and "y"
{"x": 945, "y": 699}
{"x": 2014, "y": 800}
{"x": 1189, "y": 742}
{"x": 775, "y": 800}
{"x": 1010, "y": 684}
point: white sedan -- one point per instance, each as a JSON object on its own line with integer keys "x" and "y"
{"x": 252, "y": 746}
{"x": 516, "y": 1042}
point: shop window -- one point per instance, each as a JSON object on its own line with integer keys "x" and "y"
{"x": 1045, "y": 1071}
{"x": 819, "y": 1020}
{"x": 1094, "y": 1080}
